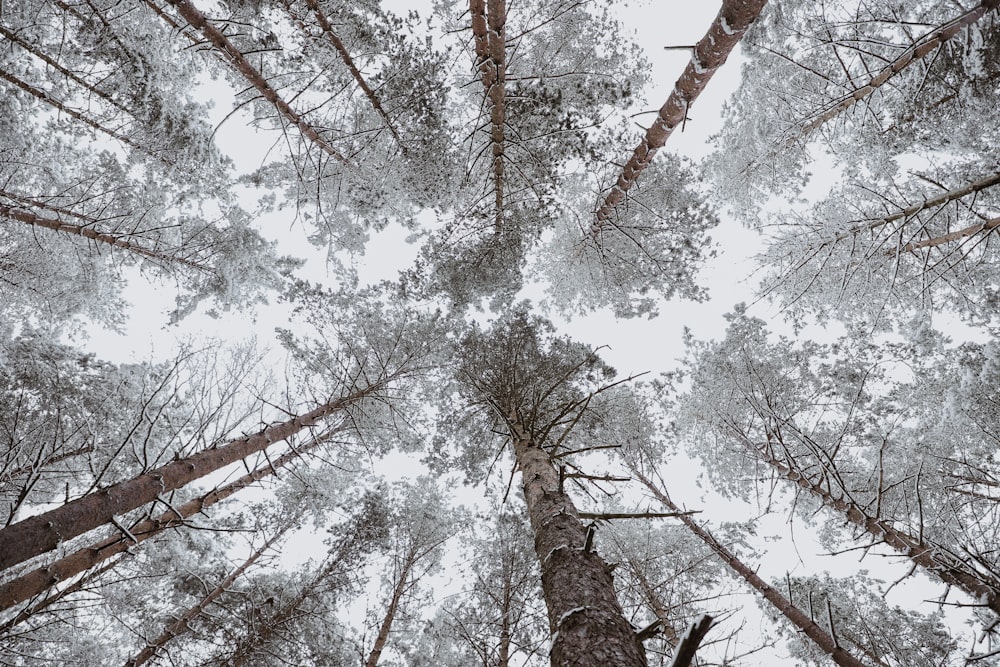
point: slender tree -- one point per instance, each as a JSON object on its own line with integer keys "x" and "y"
{"x": 733, "y": 20}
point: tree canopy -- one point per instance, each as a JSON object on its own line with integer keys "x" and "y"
{"x": 376, "y": 425}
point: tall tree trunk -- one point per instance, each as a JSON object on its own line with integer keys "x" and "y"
{"x": 709, "y": 55}
{"x": 181, "y": 625}
{"x": 585, "y": 619}
{"x": 44, "y": 532}
{"x": 55, "y": 596}
{"x": 935, "y": 560}
{"x": 985, "y": 226}
{"x": 798, "y": 618}
{"x": 503, "y": 651}
{"x": 920, "y": 48}
{"x": 489, "y": 17}
{"x": 27, "y": 585}
{"x": 197, "y": 20}
{"x": 338, "y": 45}
{"x": 30, "y": 218}
{"x": 390, "y": 613}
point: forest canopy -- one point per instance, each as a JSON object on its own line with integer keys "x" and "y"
{"x": 393, "y": 438}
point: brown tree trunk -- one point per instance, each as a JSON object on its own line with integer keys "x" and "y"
{"x": 55, "y": 596}
{"x": 44, "y": 532}
{"x": 798, "y": 618}
{"x": 341, "y": 50}
{"x": 29, "y": 218}
{"x": 940, "y": 200}
{"x": 197, "y": 20}
{"x": 390, "y": 614}
{"x": 585, "y": 619}
{"x": 489, "y": 17}
{"x": 27, "y": 585}
{"x": 503, "y": 652}
{"x": 180, "y": 626}
{"x": 709, "y": 55}
{"x": 986, "y": 226}
{"x": 935, "y": 560}
{"x": 920, "y": 48}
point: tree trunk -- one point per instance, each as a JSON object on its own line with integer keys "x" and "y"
{"x": 920, "y": 48}
{"x": 909, "y": 211}
{"x": 390, "y": 614}
{"x": 709, "y": 55}
{"x": 180, "y": 626}
{"x": 799, "y": 619}
{"x": 585, "y": 619}
{"x": 30, "y": 218}
{"x": 938, "y": 562}
{"x": 32, "y": 583}
{"x": 197, "y": 20}
{"x": 341, "y": 50}
{"x": 44, "y": 532}
{"x": 987, "y": 226}
{"x": 489, "y": 18}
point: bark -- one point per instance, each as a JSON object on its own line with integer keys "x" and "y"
{"x": 55, "y": 596}
{"x": 269, "y": 626}
{"x": 654, "y": 602}
{"x": 920, "y": 48}
{"x": 938, "y": 562}
{"x": 489, "y": 17}
{"x": 38, "y": 203}
{"x": 181, "y": 625}
{"x": 29, "y": 218}
{"x": 338, "y": 45}
{"x": 197, "y": 20}
{"x": 27, "y": 585}
{"x": 44, "y": 532}
{"x": 684, "y": 655}
{"x": 585, "y": 618}
{"x": 503, "y": 651}
{"x": 986, "y": 226}
{"x": 733, "y": 20}
{"x": 73, "y": 113}
{"x": 390, "y": 614}
{"x": 910, "y": 211}
{"x": 798, "y": 618}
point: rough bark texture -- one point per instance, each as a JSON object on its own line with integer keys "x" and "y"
{"x": 938, "y": 562}
{"x": 341, "y": 50}
{"x": 920, "y": 48}
{"x": 585, "y": 619}
{"x": 27, "y": 585}
{"x": 180, "y": 626}
{"x": 684, "y": 655}
{"x": 799, "y": 619}
{"x": 55, "y": 596}
{"x": 197, "y": 20}
{"x": 30, "y": 218}
{"x": 44, "y": 532}
{"x": 489, "y": 18}
{"x": 709, "y": 55}
{"x": 390, "y": 613}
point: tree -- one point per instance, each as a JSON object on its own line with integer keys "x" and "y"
{"x": 538, "y": 389}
